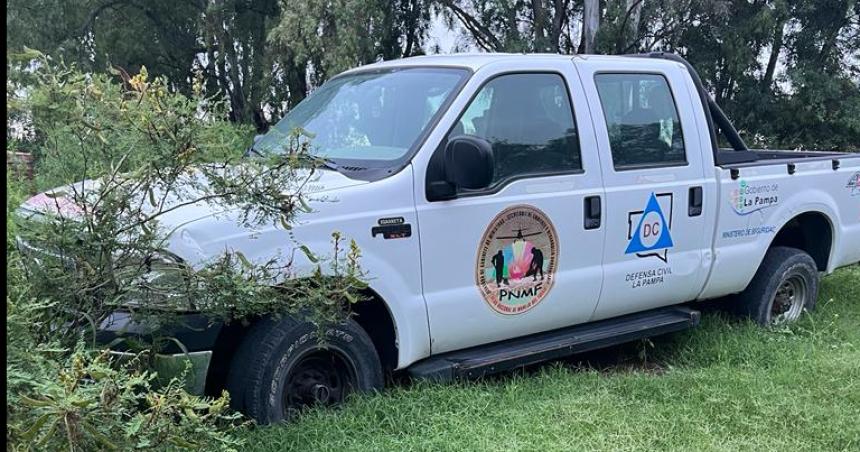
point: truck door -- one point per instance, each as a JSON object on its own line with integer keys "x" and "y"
{"x": 654, "y": 176}
{"x": 518, "y": 257}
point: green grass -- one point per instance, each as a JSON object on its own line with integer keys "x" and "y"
{"x": 727, "y": 385}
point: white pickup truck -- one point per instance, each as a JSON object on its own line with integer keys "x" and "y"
{"x": 517, "y": 208}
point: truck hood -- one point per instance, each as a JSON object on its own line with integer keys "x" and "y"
{"x": 59, "y": 201}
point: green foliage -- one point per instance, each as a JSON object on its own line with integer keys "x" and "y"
{"x": 88, "y": 122}
{"x": 336, "y": 36}
{"x": 224, "y": 41}
{"x": 74, "y": 397}
{"x": 724, "y": 386}
{"x": 786, "y": 71}
{"x": 162, "y": 35}
{"x": 83, "y": 399}
{"x": 142, "y": 150}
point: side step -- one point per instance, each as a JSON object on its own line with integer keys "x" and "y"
{"x": 510, "y": 354}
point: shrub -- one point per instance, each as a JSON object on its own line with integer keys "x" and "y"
{"x": 141, "y": 150}
{"x": 83, "y": 399}
{"x": 144, "y": 151}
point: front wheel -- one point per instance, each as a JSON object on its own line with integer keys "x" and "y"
{"x": 785, "y": 285}
{"x": 282, "y": 367}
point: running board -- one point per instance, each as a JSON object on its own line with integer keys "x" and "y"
{"x": 502, "y": 356}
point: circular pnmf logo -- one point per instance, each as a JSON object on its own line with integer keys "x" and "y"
{"x": 517, "y": 260}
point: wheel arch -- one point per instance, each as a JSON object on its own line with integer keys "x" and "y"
{"x": 811, "y": 231}
{"x": 812, "y": 226}
{"x": 372, "y": 313}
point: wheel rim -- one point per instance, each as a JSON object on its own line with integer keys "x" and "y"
{"x": 789, "y": 300}
{"x": 321, "y": 376}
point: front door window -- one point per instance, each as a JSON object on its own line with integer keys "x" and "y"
{"x": 528, "y": 120}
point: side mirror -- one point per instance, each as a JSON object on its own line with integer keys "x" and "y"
{"x": 469, "y": 162}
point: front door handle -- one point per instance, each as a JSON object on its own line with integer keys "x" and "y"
{"x": 592, "y": 212}
{"x": 696, "y": 201}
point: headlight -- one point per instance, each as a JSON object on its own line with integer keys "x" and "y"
{"x": 25, "y": 213}
{"x": 161, "y": 280}
{"x": 41, "y": 254}
{"x": 31, "y": 246}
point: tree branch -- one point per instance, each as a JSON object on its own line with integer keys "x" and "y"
{"x": 483, "y": 36}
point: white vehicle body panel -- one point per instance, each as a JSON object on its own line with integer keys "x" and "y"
{"x": 393, "y": 270}
{"x": 648, "y": 280}
{"x": 815, "y": 187}
{"x": 451, "y": 232}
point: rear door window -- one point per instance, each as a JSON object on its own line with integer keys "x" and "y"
{"x": 642, "y": 120}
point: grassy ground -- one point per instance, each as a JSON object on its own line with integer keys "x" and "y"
{"x": 727, "y": 385}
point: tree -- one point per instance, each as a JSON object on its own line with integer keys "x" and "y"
{"x": 223, "y": 39}
{"x": 237, "y": 62}
{"x": 332, "y": 36}
{"x": 94, "y": 34}
{"x": 263, "y": 57}
{"x": 590, "y": 26}
{"x": 514, "y": 25}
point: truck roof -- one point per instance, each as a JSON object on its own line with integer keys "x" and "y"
{"x": 475, "y": 61}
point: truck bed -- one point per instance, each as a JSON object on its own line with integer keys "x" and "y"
{"x": 758, "y": 157}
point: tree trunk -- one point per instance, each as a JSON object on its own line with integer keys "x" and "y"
{"x": 559, "y": 19}
{"x": 389, "y": 42}
{"x": 411, "y": 28}
{"x": 297, "y": 82}
{"x": 776, "y": 47}
{"x": 634, "y": 9}
{"x": 628, "y": 26}
{"x": 539, "y": 25}
{"x": 237, "y": 89}
{"x": 590, "y": 25}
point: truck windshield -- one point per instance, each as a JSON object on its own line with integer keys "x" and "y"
{"x": 374, "y": 117}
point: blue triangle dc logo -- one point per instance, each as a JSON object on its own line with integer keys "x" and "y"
{"x": 649, "y": 231}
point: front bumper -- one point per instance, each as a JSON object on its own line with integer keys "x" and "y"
{"x": 187, "y": 353}
{"x": 190, "y": 368}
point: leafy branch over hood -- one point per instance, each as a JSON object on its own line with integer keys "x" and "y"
{"x": 143, "y": 151}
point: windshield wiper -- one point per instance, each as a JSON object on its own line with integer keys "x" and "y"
{"x": 323, "y": 161}
{"x": 248, "y": 152}
{"x": 327, "y": 162}
{"x": 251, "y": 149}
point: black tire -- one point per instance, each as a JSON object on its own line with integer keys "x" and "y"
{"x": 785, "y": 285}
{"x": 286, "y": 352}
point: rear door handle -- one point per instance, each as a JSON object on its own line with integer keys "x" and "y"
{"x": 592, "y": 212}
{"x": 696, "y": 201}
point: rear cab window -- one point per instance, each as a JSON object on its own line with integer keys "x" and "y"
{"x": 642, "y": 120}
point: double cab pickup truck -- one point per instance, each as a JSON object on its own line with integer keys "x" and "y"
{"x": 517, "y": 208}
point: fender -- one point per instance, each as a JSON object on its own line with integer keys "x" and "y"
{"x": 391, "y": 264}
{"x": 809, "y": 201}
{"x": 736, "y": 264}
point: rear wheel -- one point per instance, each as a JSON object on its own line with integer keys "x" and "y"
{"x": 282, "y": 368}
{"x": 785, "y": 285}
